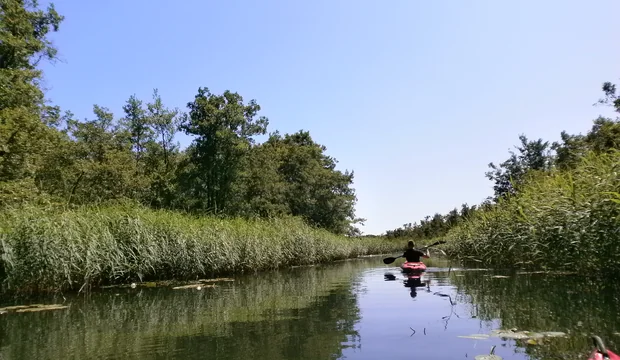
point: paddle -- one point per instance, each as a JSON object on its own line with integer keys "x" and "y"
{"x": 390, "y": 260}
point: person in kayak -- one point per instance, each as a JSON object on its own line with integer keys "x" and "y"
{"x": 414, "y": 255}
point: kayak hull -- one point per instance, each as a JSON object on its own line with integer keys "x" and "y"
{"x": 596, "y": 355}
{"x": 600, "y": 352}
{"x": 413, "y": 266}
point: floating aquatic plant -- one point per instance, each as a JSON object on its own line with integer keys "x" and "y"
{"x": 31, "y": 308}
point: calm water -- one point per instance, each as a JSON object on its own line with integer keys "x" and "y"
{"x": 359, "y": 309}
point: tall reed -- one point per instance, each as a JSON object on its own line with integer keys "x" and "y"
{"x": 562, "y": 219}
{"x": 51, "y": 250}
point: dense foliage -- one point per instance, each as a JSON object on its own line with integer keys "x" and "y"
{"x": 49, "y": 157}
{"x": 435, "y": 226}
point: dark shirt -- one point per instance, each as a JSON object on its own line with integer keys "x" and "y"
{"x": 413, "y": 255}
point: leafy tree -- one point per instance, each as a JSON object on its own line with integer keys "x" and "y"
{"x": 224, "y": 127}
{"x": 453, "y": 218}
{"x": 104, "y": 167}
{"x": 137, "y": 124}
{"x": 292, "y": 175}
{"x": 532, "y": 155}
{"x": 165, "y": 123}
{"x": 602, "y": 137}
{"x": 162, "y": 155}
{"x": 569, "y": 151}
{"x": 23, "y": 43}
{"x": 260, "y": 189}
{"x": 467, "y": 211}
{"x": 611, "y": 98}
{"x": 318, "y": 192}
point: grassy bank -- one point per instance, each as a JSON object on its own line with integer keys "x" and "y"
{"x": 562, "y": 219}
{"x": 51, "y": 250}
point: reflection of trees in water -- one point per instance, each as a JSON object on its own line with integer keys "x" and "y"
{"x": 537, "y": 302}
{"x": 299, "y": 313}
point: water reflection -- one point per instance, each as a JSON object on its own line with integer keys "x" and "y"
{"x": 411, "y": 281}
{"x": 358, "y": 309}
{"x": 578, "y": 305}
{"x": 305, "y": 313}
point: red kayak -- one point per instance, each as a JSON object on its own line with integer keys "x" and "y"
{"x": 413, "y": 266}
{"x": 600, "y": 352}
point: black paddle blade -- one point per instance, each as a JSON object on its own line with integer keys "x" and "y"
{"x": 389, "y": 260}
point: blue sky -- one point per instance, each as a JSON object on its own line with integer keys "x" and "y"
{"x": 417, "y": 97}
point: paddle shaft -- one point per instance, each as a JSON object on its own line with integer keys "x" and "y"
{"x": 390, "y": 260}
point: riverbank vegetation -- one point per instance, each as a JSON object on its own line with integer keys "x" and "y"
{"x": 47, "y": 250}
{"x": 555, "y": 205}
{"x": 227, "y": 202}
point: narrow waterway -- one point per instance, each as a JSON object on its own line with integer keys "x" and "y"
{"x": 357, "y": 309}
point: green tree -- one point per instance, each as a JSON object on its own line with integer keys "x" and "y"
{"x": 104, "y": 166}
{"x": 224, "y": 127}
{"x": 165, "y": 122}
{"x": 569, "y": 150}
{"x": 23, "y": 43}
{"x": 162, "y": 155}
{"x": 292, "y": 175}
{"x": 260, "y": 189}
{"x": 316, "y": 191}
{"x": 138, "y": 125}
{"x": 611, "y": 97}
{"x": 602, "y": 137}
{"x": 532, "y": 155}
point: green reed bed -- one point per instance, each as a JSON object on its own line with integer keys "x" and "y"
{"x": 51, "y": 250}
{"x": 562, "y": 219}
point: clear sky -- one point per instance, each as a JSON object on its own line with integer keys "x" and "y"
{"x": 417, "y": 97}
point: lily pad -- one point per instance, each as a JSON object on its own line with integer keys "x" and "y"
{"x": 32, "y": 308}
{"x": 17, "y": 307}
{"x": 553, "y": 333}
{"x": 509, "y": 334}
{"x": 525, "y": 335}
{"x": 475, "y": 336}
{"x": 216, "y": 279}
{"x": 44, "y": 308}
{"x": 193, "y": 286}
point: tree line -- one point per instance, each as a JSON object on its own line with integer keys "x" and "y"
{"x": 49, "y": 156}
{"x": 531, "y": 157}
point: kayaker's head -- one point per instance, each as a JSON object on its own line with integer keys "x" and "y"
{"x": 410, "y": 244}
